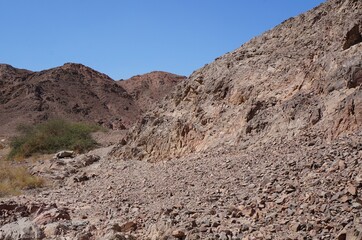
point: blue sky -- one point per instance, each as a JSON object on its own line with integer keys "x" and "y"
{"x": 123, "y": 38}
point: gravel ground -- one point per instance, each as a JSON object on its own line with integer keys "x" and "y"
{"x": 298, "y": 190}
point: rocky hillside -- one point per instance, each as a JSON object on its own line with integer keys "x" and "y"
{"x": 72, "y": 91}
{"x": 302, "y": 77}
{"x": 151, "y": 87}
{"x": 275, "y": 140}
{"x": 302, "y": 189}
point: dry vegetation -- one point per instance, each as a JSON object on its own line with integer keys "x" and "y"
{"x": 40, "y": 139}
{"x": 14, "y": 179}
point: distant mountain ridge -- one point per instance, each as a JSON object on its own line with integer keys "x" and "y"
{"x": 72, "y": 91}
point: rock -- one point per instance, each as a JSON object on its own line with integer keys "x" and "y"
{"x": 179, "y": 234}
{"x": 126, "y": 227}
{"x": 223, "y": 236}
{"x": 350, "y": 233}
{"x": 54, "y": 229}
{"x": 89, "y": 159}
{"x": 344, "y": 199}
{"x": 84, "y": 236}
{"x": 357, "y": 205}
{"x": 81, "y": 177}
{"x": 342, "y": 236}
{"x": 8, "y": 206}
{"x": 341, "y": 164}
{"x": 352, "y": 189}
{"x": 22, "y": 229}
{"x": 246, "y": 210}
{"x": 203, "y": 229}
{"x": 296, "y": 227}
{"x": 281, "y": 199}
{"x": 65, "y": 154}
{"x": 50, "y": 216}
{"x": 290, "y": 189}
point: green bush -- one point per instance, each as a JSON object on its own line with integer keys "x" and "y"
{"x": 52, "y": 136}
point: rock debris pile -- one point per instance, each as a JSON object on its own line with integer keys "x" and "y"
{"x": 300, "y": 189}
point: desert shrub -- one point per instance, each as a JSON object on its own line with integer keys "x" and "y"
{"x": 13, "y": 179}
{"x": 52, "y": 136}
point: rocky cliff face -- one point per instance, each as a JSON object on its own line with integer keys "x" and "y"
{"x": 301, "y": 78}
{"x": 75, "y": 92}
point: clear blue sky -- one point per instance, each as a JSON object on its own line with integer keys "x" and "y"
{"x": 123, "y": 38}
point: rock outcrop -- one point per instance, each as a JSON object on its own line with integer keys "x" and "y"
{"x": 302, "y": 76}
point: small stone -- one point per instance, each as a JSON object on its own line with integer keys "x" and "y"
{"x": 341, "y": 164}
{"x": 84, "y": 236}
{"x": 50, "y": 216}
{"x": 227, "y": 232}
{"x": 65, "y": 154}
{"x": 215, "y": 224}
{"x": 352, "y": 190}
{"x": 81, "y": 178}
{"x": 344, "y": 199}
{"x": 90, "y": 159}
{"x": 356, "y": 205}
{"x": 281, "y": 199}
{"x": 127, "y": 227}
{"x": 296, "y": 227}
{"x": 223, "y": 236}
{"x": 358, "y": 179}
{"x": 313, "y": 233}
{"x": 342, "y": 235}
{"x": 290, "y": 189}
{"x": 248, "y": 211}
{"x": 52, "y": 229}
{"x": 178, "y": 234}
{"x": 202, "y": 229}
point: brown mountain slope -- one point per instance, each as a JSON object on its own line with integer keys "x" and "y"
{"x": 72, "y": 91}
{"x": 76, "y": 92}
{"x": 302, "y": 78}
{"x": 151, "y": 87}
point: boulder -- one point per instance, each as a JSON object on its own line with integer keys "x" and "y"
{"x": 22, "y": 229}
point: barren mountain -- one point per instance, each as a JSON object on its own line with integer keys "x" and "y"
{"x": 302, "y": 77}
{"x": 72, "y": 91}
{"x": 151, "y": 87}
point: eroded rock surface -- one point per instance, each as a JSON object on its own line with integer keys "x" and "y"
{"x": 297, "y": 77}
